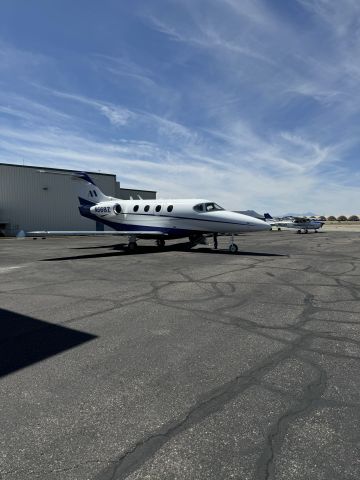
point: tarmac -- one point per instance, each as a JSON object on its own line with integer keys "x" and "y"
{"x": 180, "y": 364}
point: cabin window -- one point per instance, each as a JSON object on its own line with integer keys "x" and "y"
{"x": 157, "y": 208}
{"x": 95, "y": 193}
{"x": 117, "y": 208}
{"x": 90, "y": 193}
{"x": 170, "y": 208}
{"x": 136, "y": 208}
{"x": 146, "y": 208}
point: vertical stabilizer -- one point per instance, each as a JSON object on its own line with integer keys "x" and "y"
{"x": 87, "y": 190}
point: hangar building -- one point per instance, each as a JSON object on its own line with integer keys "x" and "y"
{"x": 32, "y": 200}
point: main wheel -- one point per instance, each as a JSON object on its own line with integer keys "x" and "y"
{"x": 160, "y": 242}
{"x": 279, "y": 229}
{"x": 299, "y": 231}
{"x": 132, "y": 246}
{"x": 306, "y": 230}
{"x": 233, "y": 248}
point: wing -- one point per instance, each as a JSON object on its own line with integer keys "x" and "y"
{"x": 68, "y": 233}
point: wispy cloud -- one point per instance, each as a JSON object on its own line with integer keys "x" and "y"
{"x": 116, "y": 114}
{"x": 12, "y": 58}
{"x": 341, "y": 17}
{"x": 207, "y": 37}
{"x": 121, "y": 66}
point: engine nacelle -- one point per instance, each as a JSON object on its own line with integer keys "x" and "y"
{"x": 106, "y": 208}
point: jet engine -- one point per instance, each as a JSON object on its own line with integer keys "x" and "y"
{"x": 106, "y": 208}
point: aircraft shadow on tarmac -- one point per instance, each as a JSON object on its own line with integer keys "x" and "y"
{"x": 25, "y": 340}
{"x": 121, "y": 249}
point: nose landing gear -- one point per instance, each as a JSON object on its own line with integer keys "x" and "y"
{"x": 233, "y": 248}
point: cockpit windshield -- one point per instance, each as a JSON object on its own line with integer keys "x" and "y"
{"x": 207, "y": 207}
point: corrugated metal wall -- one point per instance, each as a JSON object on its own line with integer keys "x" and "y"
{"x": 30, "y": 200}
{"x": 127, "y": 193}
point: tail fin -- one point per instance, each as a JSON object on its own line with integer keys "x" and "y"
{"x": 267, "y": 216}
{"x": 88, "y": 191}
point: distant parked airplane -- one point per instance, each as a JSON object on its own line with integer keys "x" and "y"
{"x": 299, "y": 223}
{"x": 157, "y": 219}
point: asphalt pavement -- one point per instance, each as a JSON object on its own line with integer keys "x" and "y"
{"x": 177, "y": 364}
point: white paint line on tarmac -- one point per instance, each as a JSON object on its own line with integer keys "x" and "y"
{"x": 8, "y": 269}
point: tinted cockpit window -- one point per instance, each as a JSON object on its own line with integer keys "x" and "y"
{"x": 199, "y": 208}
{"x": 212, "y": 207}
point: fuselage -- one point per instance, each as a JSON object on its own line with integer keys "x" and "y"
{"x": 173, "y": 217}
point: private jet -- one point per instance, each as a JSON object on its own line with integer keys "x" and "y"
{"x": 156, "y": 219}
{"x": 301, "y": 224}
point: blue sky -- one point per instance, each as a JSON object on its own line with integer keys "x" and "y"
{"x": 252, "y": 103}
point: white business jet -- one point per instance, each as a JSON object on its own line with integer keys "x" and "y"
{"x": 299, "y": 223}
{"x": 157, "y": 219}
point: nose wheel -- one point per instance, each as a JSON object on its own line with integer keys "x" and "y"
{"x": 233, "y": 248}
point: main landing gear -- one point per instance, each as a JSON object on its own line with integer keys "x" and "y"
{"x": 160, "y": 242}
{"x": 132, "y": 245}
{"x": 305, "y": 231}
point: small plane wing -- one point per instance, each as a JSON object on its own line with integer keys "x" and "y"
{"x": 65, "y": 233}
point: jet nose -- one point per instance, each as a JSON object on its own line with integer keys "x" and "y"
{"x": 260, "y": 224}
